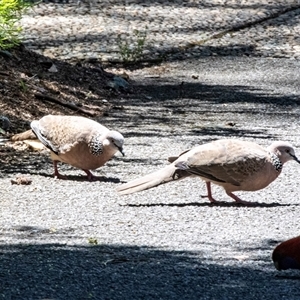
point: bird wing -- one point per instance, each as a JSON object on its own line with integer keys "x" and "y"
{"x": 42, "y": 136}
{"x": 61, "y": 133}
{"x": 227, "y": 161}
{"x": 171, "y": 159}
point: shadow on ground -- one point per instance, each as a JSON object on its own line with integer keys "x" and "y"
{"x": 58, "y": 271}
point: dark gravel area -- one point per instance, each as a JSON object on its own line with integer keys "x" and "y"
{"x": 73, "y": 239}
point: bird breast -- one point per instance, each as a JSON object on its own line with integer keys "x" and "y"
{"x": 81, "y": 157}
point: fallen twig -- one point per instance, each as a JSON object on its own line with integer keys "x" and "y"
{"x": 4, "y": 73}
{"x": 65, "y": 104}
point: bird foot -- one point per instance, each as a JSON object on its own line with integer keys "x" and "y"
{"x": 97, "y": 178}
{"x": 59, "y": 176}
{"x": 209, "y": 194}
{"x": 239, "y": 200}
{"x": 211, "y": 199}
{"x": 56, "y": 174}
{"x": 92, "y": 177}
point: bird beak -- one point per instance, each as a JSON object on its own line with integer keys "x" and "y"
{"x": 121, "y": 150}
{"x": 295, "y": 158}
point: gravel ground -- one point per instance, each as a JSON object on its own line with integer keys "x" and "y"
{"x": 72, "y": 239}
{"x": 174, "y": 29}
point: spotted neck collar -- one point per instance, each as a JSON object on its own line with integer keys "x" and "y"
{"x": 276, "y": 162}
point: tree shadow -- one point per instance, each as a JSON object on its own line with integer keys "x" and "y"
{"x": 61, "y": 271}
{"x": 29, "y": 162}
{"x": 216, "y": 106}
{"x": 169, "y": 94}
{"x": 212, "y": 30}
{"x": 187, "y": 4}
{"x": 164, "y": 90}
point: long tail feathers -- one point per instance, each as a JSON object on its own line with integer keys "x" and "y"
{"x": 27, "y": 135}
{"x": 146, "y": 182}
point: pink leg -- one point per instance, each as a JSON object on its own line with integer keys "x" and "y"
{"x": 90, "y": 175}
{"x": 209, "y": 194}
{"x": 237, "y": 199}
{"x": 56, "y": 173}
{"x": 213, "y": 200}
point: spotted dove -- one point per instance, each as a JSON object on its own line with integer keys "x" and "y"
{"x": 77, "y": 141}
{"x": 233, "y": 164}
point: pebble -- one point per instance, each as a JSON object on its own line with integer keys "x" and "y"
{"x": 95, "y": 28}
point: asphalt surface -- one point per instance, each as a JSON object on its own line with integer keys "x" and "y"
{"x": 73, "y": 239}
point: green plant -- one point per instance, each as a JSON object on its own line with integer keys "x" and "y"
{"x": 93, "y": 241}
{"x": 10, "y": 13}
{"x": 131, "y": 50}
{"x": 23, "y": 86}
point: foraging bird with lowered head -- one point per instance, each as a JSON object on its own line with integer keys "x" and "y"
{"x": 233, "y": 164}
{"x": 287, "y": 254}
{"x": 77, "y": 141}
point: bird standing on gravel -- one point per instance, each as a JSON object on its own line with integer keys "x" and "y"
{"x": 77, "y": 141}
{"x": 233, "y": 164}
{"x": 287, "y": 254}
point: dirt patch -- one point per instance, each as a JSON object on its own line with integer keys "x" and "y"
{"x": 32, "y": 85}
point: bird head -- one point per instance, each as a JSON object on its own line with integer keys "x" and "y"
{"x": 116, "y": 139}
{"x": 284, "y": 151}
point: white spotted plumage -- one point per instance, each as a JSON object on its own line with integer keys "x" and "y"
{"x": 77, "y": 141}
{"x": 233, "y": 164}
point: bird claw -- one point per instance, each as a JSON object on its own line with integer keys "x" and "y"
{"x": 59, "y": 176}
{"x": 237, "y": 200}
{"x": 91, "y": 177}
{"x": 211, "y": 199}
